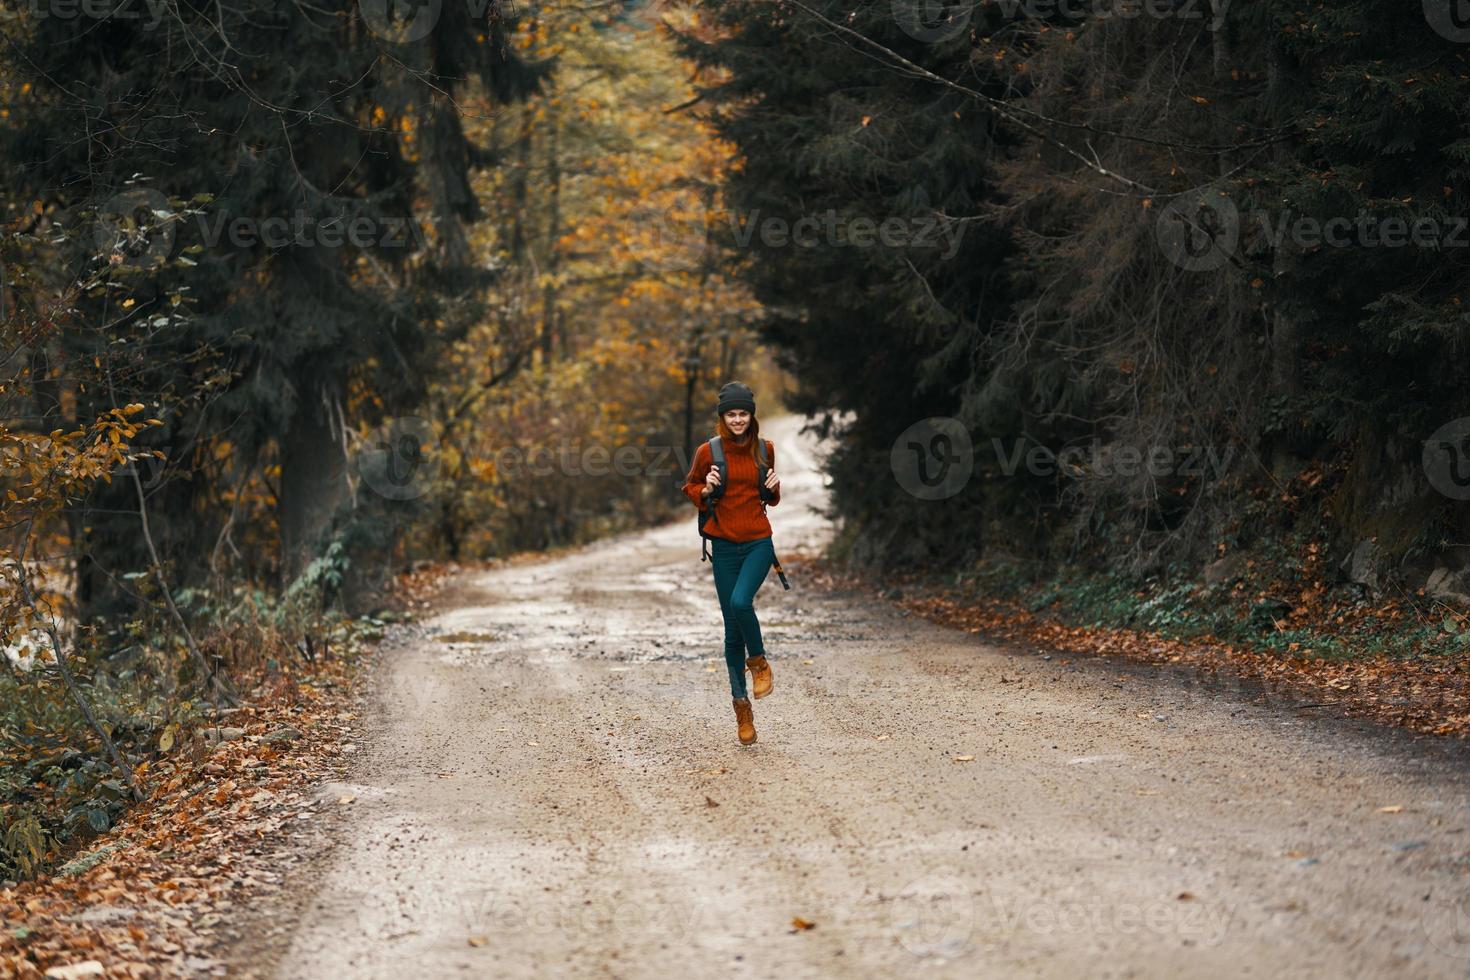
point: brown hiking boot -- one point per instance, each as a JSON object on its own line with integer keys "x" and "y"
{"x": 760, "y": 675}
{"x": 746, "y": 719}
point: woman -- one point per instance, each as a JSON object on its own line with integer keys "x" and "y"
{"x": 740, "y": 539}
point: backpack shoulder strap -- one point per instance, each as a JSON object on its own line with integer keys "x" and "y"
{"x": 717, "y": 458}
{"x": 763, "y": 454}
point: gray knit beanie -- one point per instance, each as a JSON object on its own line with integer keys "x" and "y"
{"x": 736, "y": 395}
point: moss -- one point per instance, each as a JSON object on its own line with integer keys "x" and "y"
{"x": 87, "y": 862}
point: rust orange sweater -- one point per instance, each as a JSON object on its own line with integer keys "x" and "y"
{"x": 738, "y": 515}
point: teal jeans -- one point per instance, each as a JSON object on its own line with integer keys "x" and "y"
{"x": 740, "y": 568}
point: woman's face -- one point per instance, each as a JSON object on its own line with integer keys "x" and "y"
{"x": 738, "y": 419}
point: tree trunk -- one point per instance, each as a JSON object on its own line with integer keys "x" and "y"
{"x": 553, "y": 254}
{"x": 313, "y": 481}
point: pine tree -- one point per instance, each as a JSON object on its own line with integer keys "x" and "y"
{"x": 268, "y": 202}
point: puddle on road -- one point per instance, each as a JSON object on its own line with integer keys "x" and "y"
{"x": 467, "y": 638}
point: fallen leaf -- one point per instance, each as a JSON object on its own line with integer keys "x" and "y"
{"x": 343, "y": 801}
{"x": 1391, "y": 809}
{"x": 881, "y": 738}
{"x": 801, "y": 923}
{"x": 710, "y": 803}
{"x": 964, "y": 758}
{"x": 75, "y": 971}
{"x": 1185, "y": 897}
{"x": 478, "y": 940}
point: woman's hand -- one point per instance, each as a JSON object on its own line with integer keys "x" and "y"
{"x": 711, "y": 480}
{"x": 772, "y": 483}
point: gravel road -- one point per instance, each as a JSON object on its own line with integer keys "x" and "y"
{"x": 553, "y": 786}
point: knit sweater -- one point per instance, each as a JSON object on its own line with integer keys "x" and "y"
{"x": 738, "y": 514}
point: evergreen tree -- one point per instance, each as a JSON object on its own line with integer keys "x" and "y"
{"x": 267, "y": 204}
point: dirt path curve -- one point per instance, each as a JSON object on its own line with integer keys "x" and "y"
{"x": 559, "y": 791}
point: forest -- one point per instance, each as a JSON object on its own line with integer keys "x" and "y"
{"x": 1132, "y": 323}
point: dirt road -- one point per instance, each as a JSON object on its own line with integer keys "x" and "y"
{"x": 554, "y": 787}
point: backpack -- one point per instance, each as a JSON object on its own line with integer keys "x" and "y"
{"x": 717, "y": 459}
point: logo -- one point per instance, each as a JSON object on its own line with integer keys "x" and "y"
{"x": 135, "y": 229}
{"x": 934, "y": 916}
{"x": 931, "y": 21}
{"x": 1449, "y": 18}
{"x": 401, "y": 460}
{"x": 1447, "y": 459}
{"x": 1447, "y": 924}
{"x": 1198, "y": 231}
{"x": 933, "y": 458}
{"x": 401, "y": 21}
{"x": 672, "y": 239}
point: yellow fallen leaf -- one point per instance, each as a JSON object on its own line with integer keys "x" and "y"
{"x": 881, "y": 738}
{"x": 1390, "y": 809}
{"x": 478, "y": 940}
{"x": 343, "y": 801}
{"x": 808, "y": 662}
{"x": 801, "y": 923}
{"x": 964, "y": 758}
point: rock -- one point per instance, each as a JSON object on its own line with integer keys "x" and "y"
{"x": 223, "y": 734}
{"x": 281, "y": 735}
{"x": 1227, "y": 569}
{"x": 1361, "y": 566}
{"x": 87, "y": 862}
{"x": 1449, "y": 586}
{"x": 75, "y": 971}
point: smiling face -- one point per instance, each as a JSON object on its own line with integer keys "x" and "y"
{"x": 738, "y": 419}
